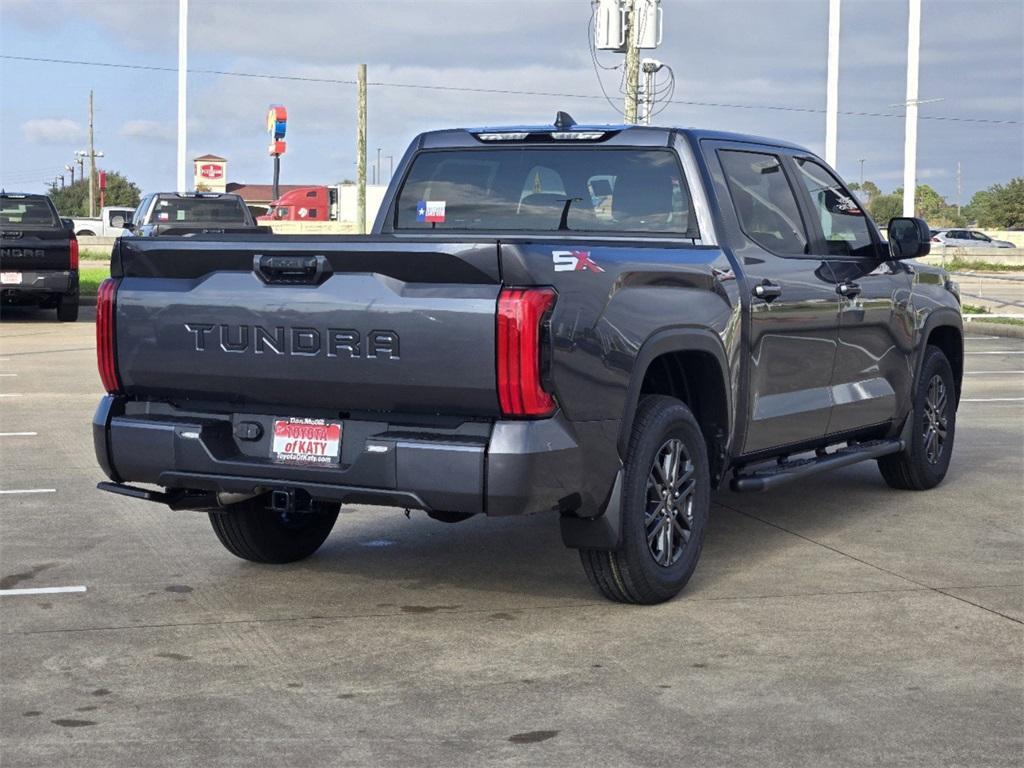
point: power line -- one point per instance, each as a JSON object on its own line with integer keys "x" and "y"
{"x": 500, "y": 91}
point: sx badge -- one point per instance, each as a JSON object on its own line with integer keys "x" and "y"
{"x": 574, "y": 261}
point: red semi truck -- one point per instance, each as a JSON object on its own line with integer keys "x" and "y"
{"x": 304, "y": 204}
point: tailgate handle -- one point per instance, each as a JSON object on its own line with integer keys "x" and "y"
{"x": 291, "y": 270}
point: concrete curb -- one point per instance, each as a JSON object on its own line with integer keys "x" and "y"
{"x": 995, "y": 329}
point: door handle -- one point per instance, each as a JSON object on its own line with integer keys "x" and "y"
{"x": 767, "y": 291}
{"x": 848, "y": 289}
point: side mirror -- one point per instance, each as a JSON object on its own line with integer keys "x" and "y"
{"x": 909, "y": 238}
{"x": 127, "y": 225}
{"x": 68, "y": 224}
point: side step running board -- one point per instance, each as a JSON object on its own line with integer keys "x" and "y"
{"x": 785, "y": 471}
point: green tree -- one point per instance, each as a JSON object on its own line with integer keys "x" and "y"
{"x": 885, "y": 207}
{"x": 928, "y": 204}
{"x": 73, "y": 200}
{"x": 868, "y": 191}
{"x": 1000, "y": 206}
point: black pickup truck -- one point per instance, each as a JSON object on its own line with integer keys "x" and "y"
{"x": 38, "y": 255}
{"x": 188, "y": 214}
{"x": 603, "y": 322}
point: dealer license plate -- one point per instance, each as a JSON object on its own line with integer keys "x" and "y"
{"x": 10, "y": 278}
{"x": 306, "y": 441}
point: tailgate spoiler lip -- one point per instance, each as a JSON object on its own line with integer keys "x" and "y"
{"x": 426, "y": 261}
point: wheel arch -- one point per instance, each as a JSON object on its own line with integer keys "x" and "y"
{"x": 945, "y": 331}
{"x": 691, "y": 365}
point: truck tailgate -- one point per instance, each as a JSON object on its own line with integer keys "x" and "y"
{"x": 27, "y": 250}
{"x": 365, "y": 324}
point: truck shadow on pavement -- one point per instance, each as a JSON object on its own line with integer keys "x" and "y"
{"x": 753, "y": 543}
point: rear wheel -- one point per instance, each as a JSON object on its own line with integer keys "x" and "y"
{"x": 67, "y": 308}
{"x": 253, "y": 531}
{"x": 666, "y": 498}
{"x": 923, "y": 463}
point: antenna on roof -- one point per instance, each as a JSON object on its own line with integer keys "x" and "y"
{"x": 563, "y": 120}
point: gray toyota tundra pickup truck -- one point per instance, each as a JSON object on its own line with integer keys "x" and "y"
{"x": 602, "y": 322}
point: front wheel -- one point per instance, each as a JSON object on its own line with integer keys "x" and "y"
{"x": 253, "y": 531}
{"x": 924, "y": 461}
{"x": 666, "y": 498}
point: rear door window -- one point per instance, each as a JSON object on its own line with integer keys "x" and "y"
{"x": 579, "y": 189}
{"x": 764, "y": 200}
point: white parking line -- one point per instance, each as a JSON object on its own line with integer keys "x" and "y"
{"x": 8, "y": 375}
{"x": 18, "y": 434}
{"x": 980, "y": 338}
{"x": 998, "y": 352}
{"x": 10, "y": 394}
{"x": 992, "y": 400}
{"x": 41, "y": 590}
{"x": 32, "y": 490}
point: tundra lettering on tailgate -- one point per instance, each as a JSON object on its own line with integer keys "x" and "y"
{"x": 305, "y": 342}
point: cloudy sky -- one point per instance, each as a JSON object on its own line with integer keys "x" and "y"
{"x": 762, "y": 56}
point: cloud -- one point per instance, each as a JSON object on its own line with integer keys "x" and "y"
{"x": 147, "y": 130}
{"x": 52, "y": 130}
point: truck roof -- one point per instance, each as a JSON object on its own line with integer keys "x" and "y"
{"x": 624, "y": 134}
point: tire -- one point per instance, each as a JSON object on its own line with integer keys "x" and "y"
{"x": 252, "y": 531}
{"x": 67, "y": 308}
{"x": 922, "y": 464}
{"x": 639, "y": 571}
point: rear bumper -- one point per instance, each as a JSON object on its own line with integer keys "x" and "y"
{"x": 42, "y": 282}
{"x": 500, "y": 468}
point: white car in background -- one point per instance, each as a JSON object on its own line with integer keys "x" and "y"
{"x": 967, "y": 238}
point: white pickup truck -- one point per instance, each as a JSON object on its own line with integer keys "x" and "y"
{"x": 110, "y": 222}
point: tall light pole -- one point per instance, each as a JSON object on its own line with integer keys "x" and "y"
{"x": 71, "y": 168}
{"x": 832, "y": 85}
{"x": 182, "y": 85}
{"x": 910, "y": 143}
{"x": 861, "y": 161}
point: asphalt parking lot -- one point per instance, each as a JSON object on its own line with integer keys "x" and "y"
{"x": 832, "y": 623}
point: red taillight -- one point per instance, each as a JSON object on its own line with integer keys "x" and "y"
{"x": 105, "y": 335}
{"x": 74, "y": 253}
{"x": 520, "y": 315}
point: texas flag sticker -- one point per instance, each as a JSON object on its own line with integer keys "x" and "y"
{"x": 430, "y": 211}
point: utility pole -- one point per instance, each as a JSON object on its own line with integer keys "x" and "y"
{"x": 832, "y": 85}
{"x": 92, "y": 165}
{"x": 182, "y": 85}
{"x": 361, "y": 152}
{"x": 910, "y": 143}
{"x": 391, "y": 166}
{"x": 958, "y": 188}
{"x": 81, "y": 165}
{"x": 861, "y": 161}
{"x": 632, "y": 63}
{"x": 379, "y": 174}
{"x": 72, "y": 169}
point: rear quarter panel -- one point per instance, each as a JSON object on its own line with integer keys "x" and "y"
{"x": 606, "y": 313}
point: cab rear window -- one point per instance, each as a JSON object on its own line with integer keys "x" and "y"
{"x": 26, "y": 212}
{"x": 593, "y": 189}
{"x": 199, "y": 210}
